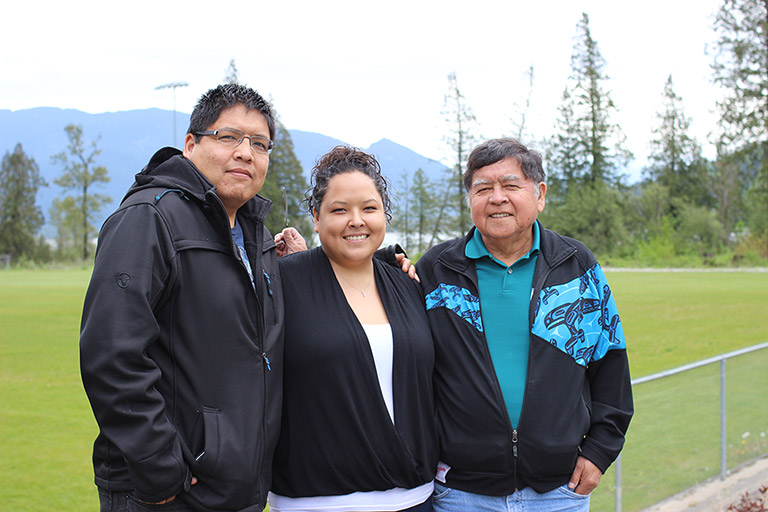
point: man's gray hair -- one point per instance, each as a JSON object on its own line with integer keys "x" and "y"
{"x": 495, "y": 150}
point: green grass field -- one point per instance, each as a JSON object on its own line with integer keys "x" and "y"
{"x": 670, "y": 319}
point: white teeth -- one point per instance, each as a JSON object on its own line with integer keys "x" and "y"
{"x": 356, "y": 237}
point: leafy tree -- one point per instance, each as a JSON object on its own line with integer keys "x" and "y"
{"x": 461, "y": 138}
{"x": 698, "y": 230}
{"x": 20, "y": 217}
{"x": 652, "y": 208}
{"x": 740, "y": 68}
{"x": 286, "y": 186}
{"x": 75, "y": 214}
{"x": 231, "y": 76}
{"x": 675, "y": 159}
{"x": 592, "y": 213}
{"x": 599, "y": 141}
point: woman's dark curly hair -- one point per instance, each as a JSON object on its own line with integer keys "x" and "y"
{"x": 343, "y": 159}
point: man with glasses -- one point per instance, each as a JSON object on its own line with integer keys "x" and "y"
{"x": 181, "y": 336}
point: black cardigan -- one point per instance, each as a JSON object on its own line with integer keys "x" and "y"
{"x": 337, "y": 436}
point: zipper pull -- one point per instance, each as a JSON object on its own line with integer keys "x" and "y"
{"x": 266, "y": 360}
{"x": 514, "y": 443}
{"x": 269, "y": 283}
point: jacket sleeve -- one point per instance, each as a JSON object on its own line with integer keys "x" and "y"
{"x": 389, "y": 254}
{"x": 132, "y": 268}
{"x": 609, "y": 384}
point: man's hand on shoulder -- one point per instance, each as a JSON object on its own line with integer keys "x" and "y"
{"x": 407, "y": 266}
{"x": 289, "y": 241}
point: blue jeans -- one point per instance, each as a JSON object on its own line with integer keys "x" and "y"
{"x": 126, "y": 502}
{"x": 562, "y": 499}
{"x": 423, "y": 507}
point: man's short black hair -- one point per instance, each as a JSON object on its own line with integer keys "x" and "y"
{"x": 211, "y": 104}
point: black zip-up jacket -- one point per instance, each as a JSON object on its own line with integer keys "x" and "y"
{"x": 337, "y": 436}
{"x": 181, "y": 356}
{"x": 578, "y": 396}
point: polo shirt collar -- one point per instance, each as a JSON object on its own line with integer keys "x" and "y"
{"x": 476, "y": 249}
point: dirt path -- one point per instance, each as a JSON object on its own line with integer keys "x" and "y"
{"x": 717, "y": 494}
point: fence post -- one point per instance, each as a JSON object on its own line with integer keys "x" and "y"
{"x": 617, "y": 469}
{"x": 723, "y": 441}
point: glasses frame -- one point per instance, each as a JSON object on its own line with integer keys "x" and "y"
{"x": 251, "y": 138}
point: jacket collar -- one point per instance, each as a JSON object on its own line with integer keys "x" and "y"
{"x": 169, "y": 169}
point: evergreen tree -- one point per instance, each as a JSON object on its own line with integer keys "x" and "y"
{"x": 461, "y": 138}
{"x": 75, "y": 214}
{"x": 522, "y": 110}
{"x": 601, "y": 141}
{"x": 286, "y": 186}
{"x": 586, "y": 155}
{"x": 740, "y": 68}
{"x": 20, "y": 217}
{"x": 231, "y": 76}
{"x": 565, "y": 153}
{"x": 675, "y": 160}
{"x": 414, "y": 217}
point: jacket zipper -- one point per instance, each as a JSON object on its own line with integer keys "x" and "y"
{"x": 499, "y": 394}
{"x": 514, "y": 457}
{"x": 261, "y": 331}
{"x": 268, "y": 282}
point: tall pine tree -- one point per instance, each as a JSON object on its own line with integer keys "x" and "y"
{"x": 286, "y": 186}
{"x": 675, "y": 161}
{"x": 740, "y": 68}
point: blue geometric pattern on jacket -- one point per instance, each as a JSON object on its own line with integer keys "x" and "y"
{"x": 459, "y": 300}
{"x": 580, "y": 317}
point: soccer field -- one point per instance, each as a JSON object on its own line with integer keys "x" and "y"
{"x": 47, "y": 429}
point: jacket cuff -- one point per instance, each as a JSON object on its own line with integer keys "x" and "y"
{"x": 160, "y": 476}
{"x": 597, "y": 454}
{"x": 387, "y": 254}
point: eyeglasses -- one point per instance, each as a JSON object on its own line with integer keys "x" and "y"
{"x": 232, "y": 137}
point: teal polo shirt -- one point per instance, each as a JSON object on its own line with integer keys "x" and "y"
{"x": 505, "y": 296}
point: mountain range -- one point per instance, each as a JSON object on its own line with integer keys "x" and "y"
{"x": 128, "y": 139}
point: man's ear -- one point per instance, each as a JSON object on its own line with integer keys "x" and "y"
{"x": 189, "y": 145}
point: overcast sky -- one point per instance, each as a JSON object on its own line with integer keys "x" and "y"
{"x": 361, "y": 71}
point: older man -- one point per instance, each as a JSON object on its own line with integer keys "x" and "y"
{"x": 181, "y": 339}
{"x": 532, "y": 383}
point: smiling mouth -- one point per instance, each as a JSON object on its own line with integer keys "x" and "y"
{"x": 500, "y": 215}
{"x": 240, "y": 172}
{"x": 355, "y": 238}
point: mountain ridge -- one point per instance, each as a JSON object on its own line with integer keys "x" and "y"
{"x": 127, "y": 140}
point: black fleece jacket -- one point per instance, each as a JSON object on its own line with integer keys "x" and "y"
{"x": 180, "y": 357}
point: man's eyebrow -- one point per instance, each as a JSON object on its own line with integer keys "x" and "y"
{"x": 503, "y": 179}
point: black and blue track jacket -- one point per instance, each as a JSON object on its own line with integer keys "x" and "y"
{"x": 578, "y": 396}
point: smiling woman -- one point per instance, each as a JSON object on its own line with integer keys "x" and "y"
{"x": 358, "y": 429}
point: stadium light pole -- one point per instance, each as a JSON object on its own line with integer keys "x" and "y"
{"x": 173, "y": 86}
